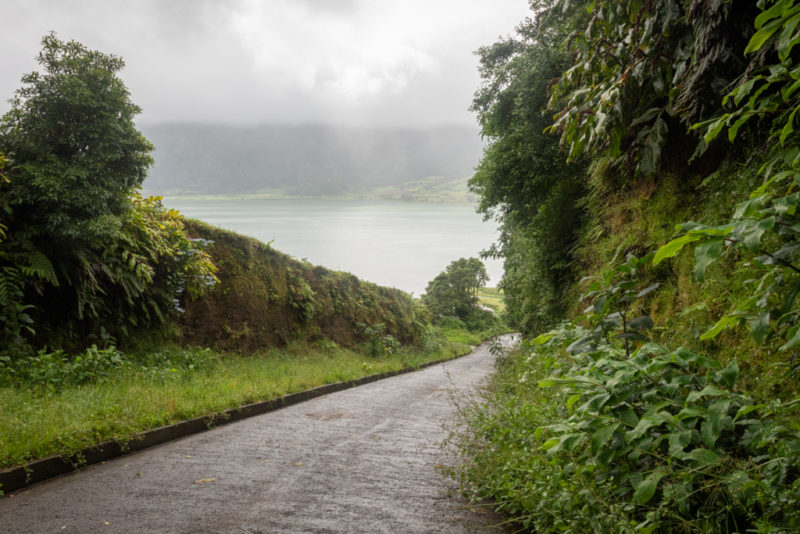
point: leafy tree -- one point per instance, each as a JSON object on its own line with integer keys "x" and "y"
{"x": 83, "y": 254}
{"x": 454, "y": 291}
{"x": 523, "y": 179}
{"x": 641, "y": 73}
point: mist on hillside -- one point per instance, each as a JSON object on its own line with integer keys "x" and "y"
{"x": 310, "y": 160}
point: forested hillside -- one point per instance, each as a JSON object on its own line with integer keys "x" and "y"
{"x": 308, "y": 160}
{"x": 643, "y": 162}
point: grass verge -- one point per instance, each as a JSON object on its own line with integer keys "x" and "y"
{"x": 492, "y": 297}
{"x": 37, "y": 421}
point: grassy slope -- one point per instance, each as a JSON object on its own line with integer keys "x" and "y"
{"x": 267, "y": 298}
{"x": 639, "y": 221}
{"x": 492, "y": 297}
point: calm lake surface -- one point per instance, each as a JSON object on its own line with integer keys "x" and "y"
{"x": 395, "y": 244}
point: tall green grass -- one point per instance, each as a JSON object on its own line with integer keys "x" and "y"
{"x": 38, "y": 421}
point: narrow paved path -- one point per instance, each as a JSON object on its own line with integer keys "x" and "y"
{"x": 360, "y": 460}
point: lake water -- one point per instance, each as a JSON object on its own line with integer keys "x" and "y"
{"x": 395, "y": 244}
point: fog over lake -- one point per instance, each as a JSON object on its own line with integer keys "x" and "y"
{"x": 395, "y": 244}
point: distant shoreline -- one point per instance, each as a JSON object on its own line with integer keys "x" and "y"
{"x": 284, "y": 196}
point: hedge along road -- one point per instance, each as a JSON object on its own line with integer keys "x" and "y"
{"x": 360, "y": 460}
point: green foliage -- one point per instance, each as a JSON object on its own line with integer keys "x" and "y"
{"x": 616, "y": 290}
{"x": 765, "y": 228}
{"x": 454, "y": 291}
{"x": 642, "y": 440}
{"x": 642, "y": 71}
{"x": 81, "y": 252}
{"x": 379, "y": 343}
{"x": 432, "y": 340}
{"x": 75, "y": 154}
{"x": 50, "y": 372}
{"x": 266, "y": 299}
{"x": 523, "y": 180}
{"x": 54, "y": 370}
{"x": 626, "y": 434}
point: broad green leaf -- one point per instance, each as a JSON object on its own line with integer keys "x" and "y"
{"x": 572, "y": 400}
{"x": 647, "y": 421}
{"x": 692, "y": 412}
{"x": 597, "y": 402}
{"x": 726, "y": 321}
{"x": 763, "y": 187}
{"x": 708, "y": 391}
{"x": 643, "y": 322}
{"x": 709, "y": 434}
{"x": 715, "y": 128}
{"x": 733, "y": 130}
{"x": 787, "y": 39}
{"x": 788, "y": 128}
{"x": 673, "y": 247}
{"x": 629, "y": 417}
{"x": 787, "y": 92}
{"x": 581, "y": 345}
{"x": 751, "y": 231}
{"x": 550, "y": 443}
{"x": 645, "y": 490}
{"x": 759, "y": 328}
{"x": 703, "y": 457}
{"x": 602, "y": 436}
{"x": 730, "y": 373}
{"x": 678, "y": 441}
{"x": 775, "y": 10}
{"x": 742, "y": 90}
{"x": 761, "y": 36}
{"x": 569, "y": 442}
{"x": 705, "y": 254}
{"x": 542, "y": 339}
{"x": 551, "y": 382}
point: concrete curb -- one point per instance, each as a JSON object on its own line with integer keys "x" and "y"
{"x": 19, "y": 477}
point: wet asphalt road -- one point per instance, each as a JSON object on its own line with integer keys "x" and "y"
{"x": 359, "y": 460}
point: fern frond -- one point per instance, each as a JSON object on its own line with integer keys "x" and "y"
{"x": 39, "y": 266}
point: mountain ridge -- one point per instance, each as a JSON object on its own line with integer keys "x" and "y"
{"x": 304, "y": 160}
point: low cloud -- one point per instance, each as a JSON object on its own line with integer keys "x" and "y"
{"x": 359, "y": 62}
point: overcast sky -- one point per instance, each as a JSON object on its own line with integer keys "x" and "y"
{"x": 357, "y": 62}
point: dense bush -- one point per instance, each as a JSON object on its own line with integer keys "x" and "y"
{"x": 629, "y": 435}
{"x": 52, "y": 371}
{"x": 82, "y": 255}
{"x": 452, "y": 297}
